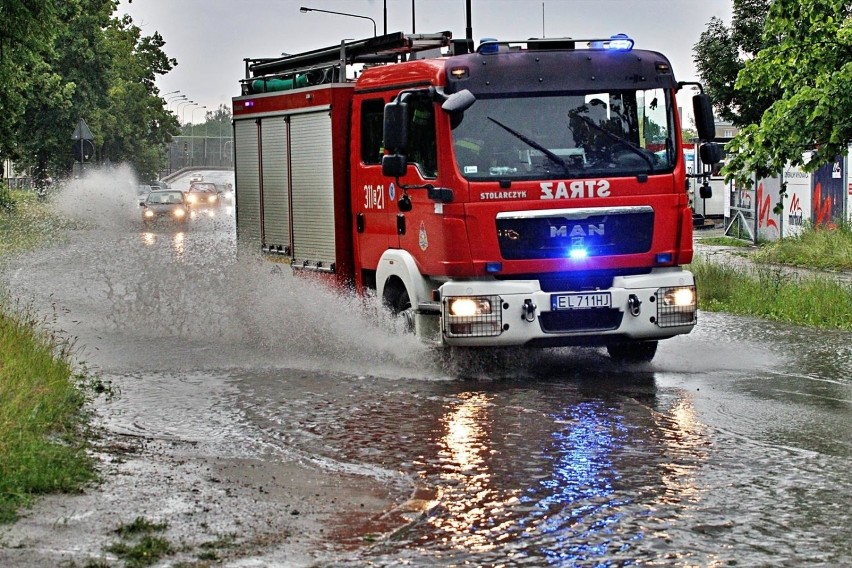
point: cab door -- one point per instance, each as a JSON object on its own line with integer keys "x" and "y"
{"x": 373, "y": 195}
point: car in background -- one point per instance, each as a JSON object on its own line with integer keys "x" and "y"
{"x": 142, "y": 191}
{"x": 204, "y": 195}
{"x": 165, "y": 205}
{"x": 195, "y": 177}
{"x": 160, "y": 185}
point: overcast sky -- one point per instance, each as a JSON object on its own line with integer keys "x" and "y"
{"x": 210, "y": 38}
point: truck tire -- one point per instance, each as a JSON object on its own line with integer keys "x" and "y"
{"x": 396, "y": 299}
{"x": 633, "y": 351}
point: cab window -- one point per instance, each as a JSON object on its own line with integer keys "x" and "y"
{"x": 422, "y": 143}
{"x": 371, "y": 131}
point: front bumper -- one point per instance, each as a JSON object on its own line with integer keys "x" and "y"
{"x": 651, "y": 306}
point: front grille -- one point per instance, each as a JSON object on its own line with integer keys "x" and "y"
{"x": 580, "y": 320}
{"x": 555, "y": 234}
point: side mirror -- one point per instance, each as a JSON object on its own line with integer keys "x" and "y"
{"x": 702, "y": 108}
{"x": 395, "y": 128}
{"x": 711, "y": 153}
{"x": 394, "y": 165}
{"x": 459, "y": 102}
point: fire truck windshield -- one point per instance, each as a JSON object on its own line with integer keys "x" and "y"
{"x": 612, "y": 134}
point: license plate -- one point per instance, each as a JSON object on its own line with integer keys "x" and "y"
{"x": 580, "y": 301}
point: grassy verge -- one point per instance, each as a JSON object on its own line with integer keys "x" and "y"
{"x": 819, "y": 301}
{"x": 823, "y": 249}
{"x": 42, "y": 446}
{"x": 42, "y": 449}
{"x": 25, "y": 222}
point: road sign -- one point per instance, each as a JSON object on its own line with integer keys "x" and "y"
{"x": 82, "y": 132}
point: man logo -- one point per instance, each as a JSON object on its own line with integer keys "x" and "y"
{"x": 578, "y": 231}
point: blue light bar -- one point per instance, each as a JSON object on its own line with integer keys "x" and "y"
{"x": 578, "y": 253}
{"x": 488, "y": 45}
{"x": 620, "y": 42}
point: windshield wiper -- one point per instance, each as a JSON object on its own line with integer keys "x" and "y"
{"x": 532, "y": 143}
{"x": 633, "y": 147}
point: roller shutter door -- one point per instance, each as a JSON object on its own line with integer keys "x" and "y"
{"x": 276, "y": 188}
{"x": 312, "y": 190}
{"x": 247, "y": 168}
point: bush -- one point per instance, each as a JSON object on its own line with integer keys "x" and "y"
{"x": 7, "y": 202}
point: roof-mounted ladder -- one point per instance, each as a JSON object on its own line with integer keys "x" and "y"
{"x": 388, "y": 48}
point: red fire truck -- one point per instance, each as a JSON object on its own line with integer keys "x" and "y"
{"x": 525, "y": 193}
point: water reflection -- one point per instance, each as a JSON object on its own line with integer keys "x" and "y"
{"x": 558, "y": 475}
{"x": 579, "y": 501}
{"x": 177, "y": 241}
{"x": 477, "y": 517}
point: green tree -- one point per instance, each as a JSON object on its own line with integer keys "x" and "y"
{"x": 99, "y": 68}
{"x": 807, "y": 60}
{"x": 136, "y": 125}
{"x": 69, "y": 81}
{"x": 26, "y": 35}
{"x": 720, "y": 55}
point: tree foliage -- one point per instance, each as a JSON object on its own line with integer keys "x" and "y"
{"x": 27, "y": 30}
{"x": 805, "y": 66}
{"x": 74, "y": 59}
{"x": 721, "y": 53}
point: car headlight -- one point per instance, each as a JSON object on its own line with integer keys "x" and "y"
{"x": 179, "y": 212}
{"x": 192, "y": 199}
{"x": 211, "y": 199}
{"x": 148, "y": 213}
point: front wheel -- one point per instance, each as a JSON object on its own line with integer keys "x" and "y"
{"x": 633, "y": 351}
{"x": 396, "y": 299}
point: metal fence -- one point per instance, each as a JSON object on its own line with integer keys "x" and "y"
{"x": 200, "y": 151}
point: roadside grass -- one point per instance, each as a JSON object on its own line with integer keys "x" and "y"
{"x": 769, "y": 293}
{"x": 42, "y": 423}
{"x": 139, "y": 545}
{"x": 817, "y": 248}
{"x": 725, "y": 241}
{"x": 42, "y": 418}
{"x": 26, "y": 222}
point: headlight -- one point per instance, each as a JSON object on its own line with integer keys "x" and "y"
{"x": 179, "y": 212}
{"x": 679, "y": 296}
{"x": 472, "y": 316}
{"x": 469, "y": 307}
{"x": 148, "y": 213}
{"x": 192, "y": 199}
{"x": 676, "y": 305}
{"x": 211, "y": 199}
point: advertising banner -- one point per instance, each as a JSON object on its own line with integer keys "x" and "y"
{"x": 829, "y": 194}
{"x": 797, "y": 205}
{"x": 767, "y": 195}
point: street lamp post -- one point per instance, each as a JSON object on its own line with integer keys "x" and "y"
{"x": 177, "y": 106}
{"x": 174, "y": 99}
{"x": 183, "y": 111}
{"x": 304, "y": 10}
{"x": 192, "y": 140}
{"x": 178, "y": 110}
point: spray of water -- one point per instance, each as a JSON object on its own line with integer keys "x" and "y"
{"x": 185, "y": 287}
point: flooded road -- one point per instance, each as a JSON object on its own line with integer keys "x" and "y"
{"x": 732, "y": 448}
